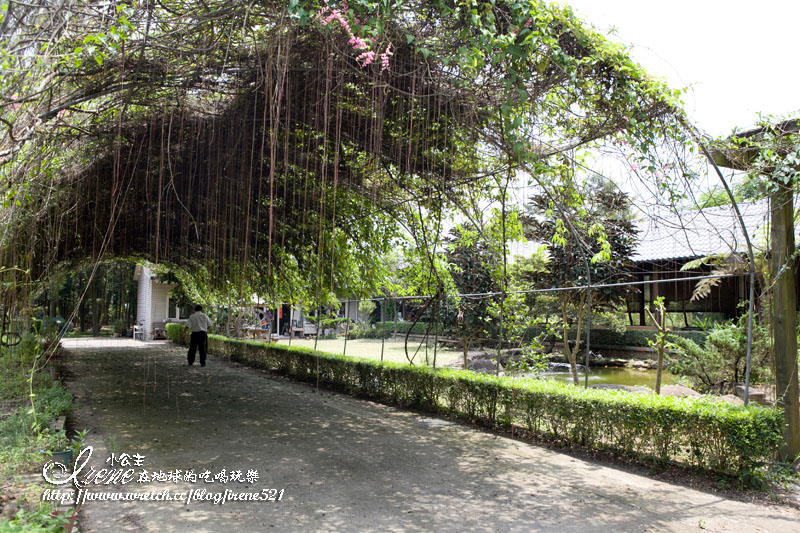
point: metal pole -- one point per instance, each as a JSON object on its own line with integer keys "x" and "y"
{"x": 588, "y": 325}
{"x": 436, "y": 334}
{"x": 346, "y": 325}
{"x": 383, "y": 326}
{"x": 500, "y": 334}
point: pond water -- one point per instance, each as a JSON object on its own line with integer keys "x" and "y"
{"x": 615, "y": 376}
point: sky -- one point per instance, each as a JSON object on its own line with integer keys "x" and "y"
{"x": 737, "y": 57}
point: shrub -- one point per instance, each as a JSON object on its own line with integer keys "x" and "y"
{"x": 721, "y": 359}
{"x": 402, "y": 328}
{"x": 631, "y": 337}
{"x": 120, "y": 328}
{"x": 177, "y": 333}
{"x": 713, "y": 436}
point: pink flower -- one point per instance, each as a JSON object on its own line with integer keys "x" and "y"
{"x": 358, "y": 43}
{"x": 385, "y": 57}
{"x": 366, "y": 58}
{"x": 528, "y": 23}
{"x": 327, "y": 14}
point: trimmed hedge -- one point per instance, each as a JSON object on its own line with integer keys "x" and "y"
{"x": 176, "y": 333}
{"x": 601, "y": 337}
{"x": 632, "y": 337}
{"x": 403, "y": 327}
{"x": 706, "y": 435}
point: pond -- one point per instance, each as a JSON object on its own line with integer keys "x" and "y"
{"x": 615, "y": 376}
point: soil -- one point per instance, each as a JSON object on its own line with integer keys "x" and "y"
{"x": 351, "y": 465}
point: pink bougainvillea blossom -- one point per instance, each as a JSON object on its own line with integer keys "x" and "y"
{"x": 385, "y": 57}
{"x": 329, "y": 14}
{"x": 366, "y": 58}
{"x": 358, "y": 43}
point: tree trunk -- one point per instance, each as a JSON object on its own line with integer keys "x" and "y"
{"x": 784, "y": 318}
{"x": 658, "y": 368}
{"x": 95, "y": 301}
{"x": 82, "y": 309}
{"x": 52, "y": 294}
{"x": 571, "y": 353}
{"x": 659, "y": 318}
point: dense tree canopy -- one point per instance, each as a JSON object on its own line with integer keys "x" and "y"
{"x": 287, "y": 144}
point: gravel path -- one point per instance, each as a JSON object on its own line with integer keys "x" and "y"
{"x": 346, "y": 464}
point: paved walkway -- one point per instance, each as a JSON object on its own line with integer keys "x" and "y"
{"x": 346, "y": 464}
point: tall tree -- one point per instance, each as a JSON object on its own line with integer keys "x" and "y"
{"x": 589, "y": 236}
{"x": 471, "y": 263}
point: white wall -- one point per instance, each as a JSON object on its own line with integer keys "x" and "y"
{"x": 144, "y": 303}
{"x": 352, "y": 312}
{"x": 159, "y": 301}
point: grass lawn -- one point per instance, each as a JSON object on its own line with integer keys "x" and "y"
{"x": 104, "y": 332}
{"x": 393, "y": 349}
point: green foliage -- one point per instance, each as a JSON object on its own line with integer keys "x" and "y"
{"x": 36, "y": 520}
{"x": 403, "y": 327}
{"x": 590, "y": 237}
{"x": 633, "y": 337}
{"x": 177, "y": 333}
{"x": 399, "y": 159}
{"x": 366, "y": 308}
{"x": 24, "y": 432}
{"x": 121, "y": 327}
{"x": 706, "y": 435}
{"x": 721, "y": 360}
{"x": 473, "y": 264}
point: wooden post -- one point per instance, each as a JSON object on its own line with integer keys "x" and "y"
{"x": 642, "y": 304}
{"x": 784, "y": 317}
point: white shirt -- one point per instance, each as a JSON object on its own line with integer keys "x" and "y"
{"x": 199, "y": 322}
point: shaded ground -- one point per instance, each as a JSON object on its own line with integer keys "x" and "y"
{"x": 347, "y": 464}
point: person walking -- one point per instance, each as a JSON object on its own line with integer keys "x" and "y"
{"x": 198, "y": 323}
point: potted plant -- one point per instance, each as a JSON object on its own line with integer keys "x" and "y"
{"x": 58, "y": 447}
{"x": 64, "y": 519}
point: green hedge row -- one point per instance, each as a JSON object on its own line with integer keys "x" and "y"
{"x": 602, "y": 337}
{"x": 633, "y": 337}
{"x": 402, "y": 327}
{"x": 710, "y": 436}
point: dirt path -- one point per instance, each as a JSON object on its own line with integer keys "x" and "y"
{"x": 346, "y": 464}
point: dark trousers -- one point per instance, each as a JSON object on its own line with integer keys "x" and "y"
{"x": 199, "y": 339}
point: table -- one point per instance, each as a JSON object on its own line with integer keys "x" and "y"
{"x": 257, "y": 333}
